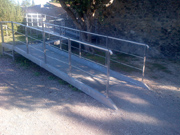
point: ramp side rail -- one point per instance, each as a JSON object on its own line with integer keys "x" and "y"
{"x": 70, "y": 40}
{"x": 117, "y": 45}
{"x": 107, "y": 44}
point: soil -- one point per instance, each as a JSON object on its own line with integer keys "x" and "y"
{"x": 33, "y": 101}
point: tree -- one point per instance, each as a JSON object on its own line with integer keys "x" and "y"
{"x": 26, "y": 3}
{"x": 84, "y": 12}
{"x": 33, "y": 3}
{"x": 53, "y": 0}
{"x": 9, "y": 11}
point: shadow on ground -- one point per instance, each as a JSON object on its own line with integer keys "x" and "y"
{"x": 140, "y": 111}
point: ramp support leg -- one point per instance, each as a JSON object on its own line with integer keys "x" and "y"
{"x": 26, "y": 33}
{"x": 69, "y": 50}
{"x": 107, "y": 48}
{"x": 44, "y": 44}
{"x": 108, "y": 72}
{"x": 13, "y": 39}
{"x": 2, "y": 37}
{"x": 144, "y": 62}
{"x": 80, "y": 38}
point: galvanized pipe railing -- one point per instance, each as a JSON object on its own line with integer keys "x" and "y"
{"x": 107, "y": 46}
{"x": 107, "y": 38}
{"x": 108, "y": 52}
{"x": 106, "y": 43}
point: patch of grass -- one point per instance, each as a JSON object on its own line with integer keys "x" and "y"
{"x": 124, "y": 57}
{"x": 37, "y": 74}
{"x": 154, "y": 77}
{"x": 74, "y": 88}
{"x": 160, "y": 67}
{"x": 23, "y": 61}
{"x": 52, "y": 77}
{"x": 62, "y": 82}
{"x": 94, "y": 58}
{"x": 122, "y": 68}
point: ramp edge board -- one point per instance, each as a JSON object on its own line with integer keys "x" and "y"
{"x": 101, "y": 68}
{"x": 81, "y": 86}
{"x": 8, "y": 46}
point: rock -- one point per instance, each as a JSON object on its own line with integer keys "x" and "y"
{"x": 57, "y": 42}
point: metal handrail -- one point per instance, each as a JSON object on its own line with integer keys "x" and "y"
{"x": 108, "y": 37}
{"x": 58, "y": 35}
{"x": 81, "y": 42}
{"x": 106, "y": 50}
{"x": 95, "y": 34}
{"x": 118, "y": 39}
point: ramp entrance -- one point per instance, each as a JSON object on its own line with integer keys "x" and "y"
{"x": 61, "y": 54}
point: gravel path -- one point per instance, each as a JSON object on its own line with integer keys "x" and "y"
{"x": 33, "y": 102}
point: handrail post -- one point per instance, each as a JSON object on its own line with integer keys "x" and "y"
{"x": 44, "y": 45}
{"x": 2, "y": 37}
{"x": 26, "y": 33}
{"x": 45, "y": 17}
{"x": 61, "y": 43}
{"x": 107, "y": 48}
{"x": 80, "y": 43}
{"x": 53, "y": 25}
{"x": 6, "y": 30}
{"x": 27, "y": 19}
{"x": 69, "y": 50}
{"x": 144, "y": 63}
{"x": 61, "y": 38}
{"x": 108, "y": 72}
{"x": 13, "y": 39}
{"x": 31, "y": 20}
{"x": 37, "y": 20}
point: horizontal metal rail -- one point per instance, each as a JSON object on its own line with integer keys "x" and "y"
{"x": 19, "y": 33}
{"x": 81, "y": 42}
{"x": 6, "y": 29}
{"x": 126, "y": 65}
{"x": 35, "y": 38}
{"x": 5, "y": 21}
{"x": 20, "y": 41}
{"x": 109, "y": 37}
{"x": 128, "y": 54}
{"x": 77, "y": 55}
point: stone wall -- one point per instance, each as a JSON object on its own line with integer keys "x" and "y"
{"x": 154, "y": 22}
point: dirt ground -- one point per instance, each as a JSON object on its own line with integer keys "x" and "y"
{"x": 33, "y": 101}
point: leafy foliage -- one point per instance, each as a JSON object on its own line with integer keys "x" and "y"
{"x": 9, "y": 11}
{"x": 84, "y": 12}
{"x": 33, "y": 3}
{"x": 26, "y": 3}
